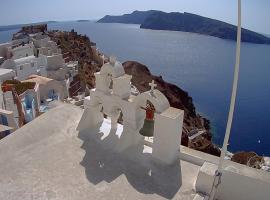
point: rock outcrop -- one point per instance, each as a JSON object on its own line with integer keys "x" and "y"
{"x": 250, "y": 159}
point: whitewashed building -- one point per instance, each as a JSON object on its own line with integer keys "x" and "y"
{"x": 40, "y": 57}
{"x": 22, "y": 51}
{"x": 26, "y": 66}
{"x": 7, "y": 74}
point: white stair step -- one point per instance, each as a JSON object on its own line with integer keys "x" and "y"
{"x": 200, "y": 197}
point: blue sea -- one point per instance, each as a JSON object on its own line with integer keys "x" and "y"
{"x": 201, "y": 65}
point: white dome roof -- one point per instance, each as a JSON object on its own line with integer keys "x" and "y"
{"x": 115, "y": 70}
{"x": 8, "y": 64}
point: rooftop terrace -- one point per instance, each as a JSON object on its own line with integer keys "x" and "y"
{"x": 57, "y": 162}
{"x": 49, "y": 159}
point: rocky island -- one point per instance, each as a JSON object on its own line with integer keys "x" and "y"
{"x": 186, "y": 22}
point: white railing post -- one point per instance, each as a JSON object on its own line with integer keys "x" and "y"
{"x": 232, "y": 105}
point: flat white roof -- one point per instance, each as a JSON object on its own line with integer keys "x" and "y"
{"x": 49, "y": 159}
{"x": 6, "y": 71}
{"x": 24, "y": 59}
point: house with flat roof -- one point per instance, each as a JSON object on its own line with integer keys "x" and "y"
{"x": 6, "y": 74}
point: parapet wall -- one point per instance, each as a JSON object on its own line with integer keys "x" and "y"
{"x": 238, "y": 182}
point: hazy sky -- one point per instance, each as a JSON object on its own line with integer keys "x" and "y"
{"x": 256, "y": 13}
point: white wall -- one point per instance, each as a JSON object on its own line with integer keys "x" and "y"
{"x": 10, "y": 105}
{"x": 58, "y": 75}
{"x": 22, "y": 51}
{"x": 4, "y": 48}
{"x": 241, "y": 186}
{"x": 10, "y": 119}
{"x": 42, "y": 60}
{"x": 43, "y": 71}
{"x": 41, "y": 42}
{"x": 55, "y": 62}
{"x": 25, "y": 70}
{"x": 57, "y": 86}
{"x": 8, "y": 64}
{"x": 167, "y": 135}
{"x": 238, "y": 182}
{"x": 6, "y": 75}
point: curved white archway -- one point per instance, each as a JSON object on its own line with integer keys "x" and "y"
{"x": 157, "y": 98}
{"x": 116, "y": 71}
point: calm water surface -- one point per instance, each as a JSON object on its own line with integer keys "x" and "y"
{"x": 201, "y": 65}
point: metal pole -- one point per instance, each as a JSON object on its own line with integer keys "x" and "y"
{"x": 232, "y": 105}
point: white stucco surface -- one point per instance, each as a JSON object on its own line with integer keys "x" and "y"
{"x": 6, "y": 74}
{"x": 23, "y": 51}
{"x": 49, "y": 159}
{"x": 237, "y": 182}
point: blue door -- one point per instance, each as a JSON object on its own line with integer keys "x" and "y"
{"x": 4, "y": 121}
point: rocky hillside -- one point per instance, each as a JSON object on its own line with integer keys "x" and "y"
{"x": 78, "y": 48}
{"x": 141, "y": 76}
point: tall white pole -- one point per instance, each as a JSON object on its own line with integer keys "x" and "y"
{"x": 232, "y": 105}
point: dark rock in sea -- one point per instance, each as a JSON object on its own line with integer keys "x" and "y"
{"x": 83, "y": 20}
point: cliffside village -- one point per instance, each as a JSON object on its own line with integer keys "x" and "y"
{"x": 34, "y": 76}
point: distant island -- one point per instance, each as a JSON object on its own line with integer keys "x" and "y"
{"x": 83, "y": 20}
{"x": 186, "y": 22}
{"x": 19, "y": 26}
